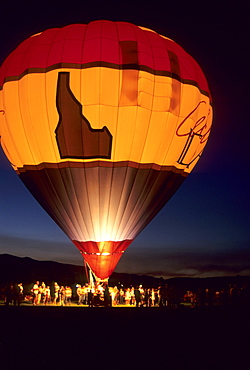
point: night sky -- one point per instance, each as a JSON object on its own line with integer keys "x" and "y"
{"x": 204, "y": 229}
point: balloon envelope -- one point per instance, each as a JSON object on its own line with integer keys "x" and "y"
{"x": 103, "y": 122}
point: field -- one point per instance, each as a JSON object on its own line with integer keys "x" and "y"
{"x": 124, "y": 338}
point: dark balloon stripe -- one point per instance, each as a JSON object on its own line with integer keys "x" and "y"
{"x": 106, "y": 65}
{"x": 110, "y": 164}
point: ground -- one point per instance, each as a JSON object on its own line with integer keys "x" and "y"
{"x": 125, "y": 338}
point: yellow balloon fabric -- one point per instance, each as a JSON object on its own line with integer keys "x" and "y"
{"x": 103, "y": 122}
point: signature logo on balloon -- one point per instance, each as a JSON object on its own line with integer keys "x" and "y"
{"x": 200, "y": 130}
{"x": 74, "y": 134}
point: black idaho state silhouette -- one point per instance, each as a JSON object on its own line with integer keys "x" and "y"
{"x": 74, "y": 134}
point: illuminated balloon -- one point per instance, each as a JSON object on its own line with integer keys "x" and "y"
{"x": 103, "y": 122}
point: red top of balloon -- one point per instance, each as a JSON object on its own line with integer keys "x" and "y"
{"x": 96, "y": 44}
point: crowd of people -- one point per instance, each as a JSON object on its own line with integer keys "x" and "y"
{"x": 97, "y": 294}
{"x": 232, "y": 295}
{"x": 100, "y": 294}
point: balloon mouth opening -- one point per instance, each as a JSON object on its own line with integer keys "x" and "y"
{"x": 102, "y": 254}
{"x": 102, "y": 257}
{"x": 102, "y": 264}
{"x": 102, "y": 248}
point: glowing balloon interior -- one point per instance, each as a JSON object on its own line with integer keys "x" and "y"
{"x": 103, "y": 122}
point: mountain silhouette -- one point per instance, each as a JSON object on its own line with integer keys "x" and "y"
{"x": 28, "y": 270}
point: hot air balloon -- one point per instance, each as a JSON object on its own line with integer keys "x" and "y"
{"x": 103, "y": 122}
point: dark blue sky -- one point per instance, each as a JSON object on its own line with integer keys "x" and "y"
{"x": 204, "y": 229}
